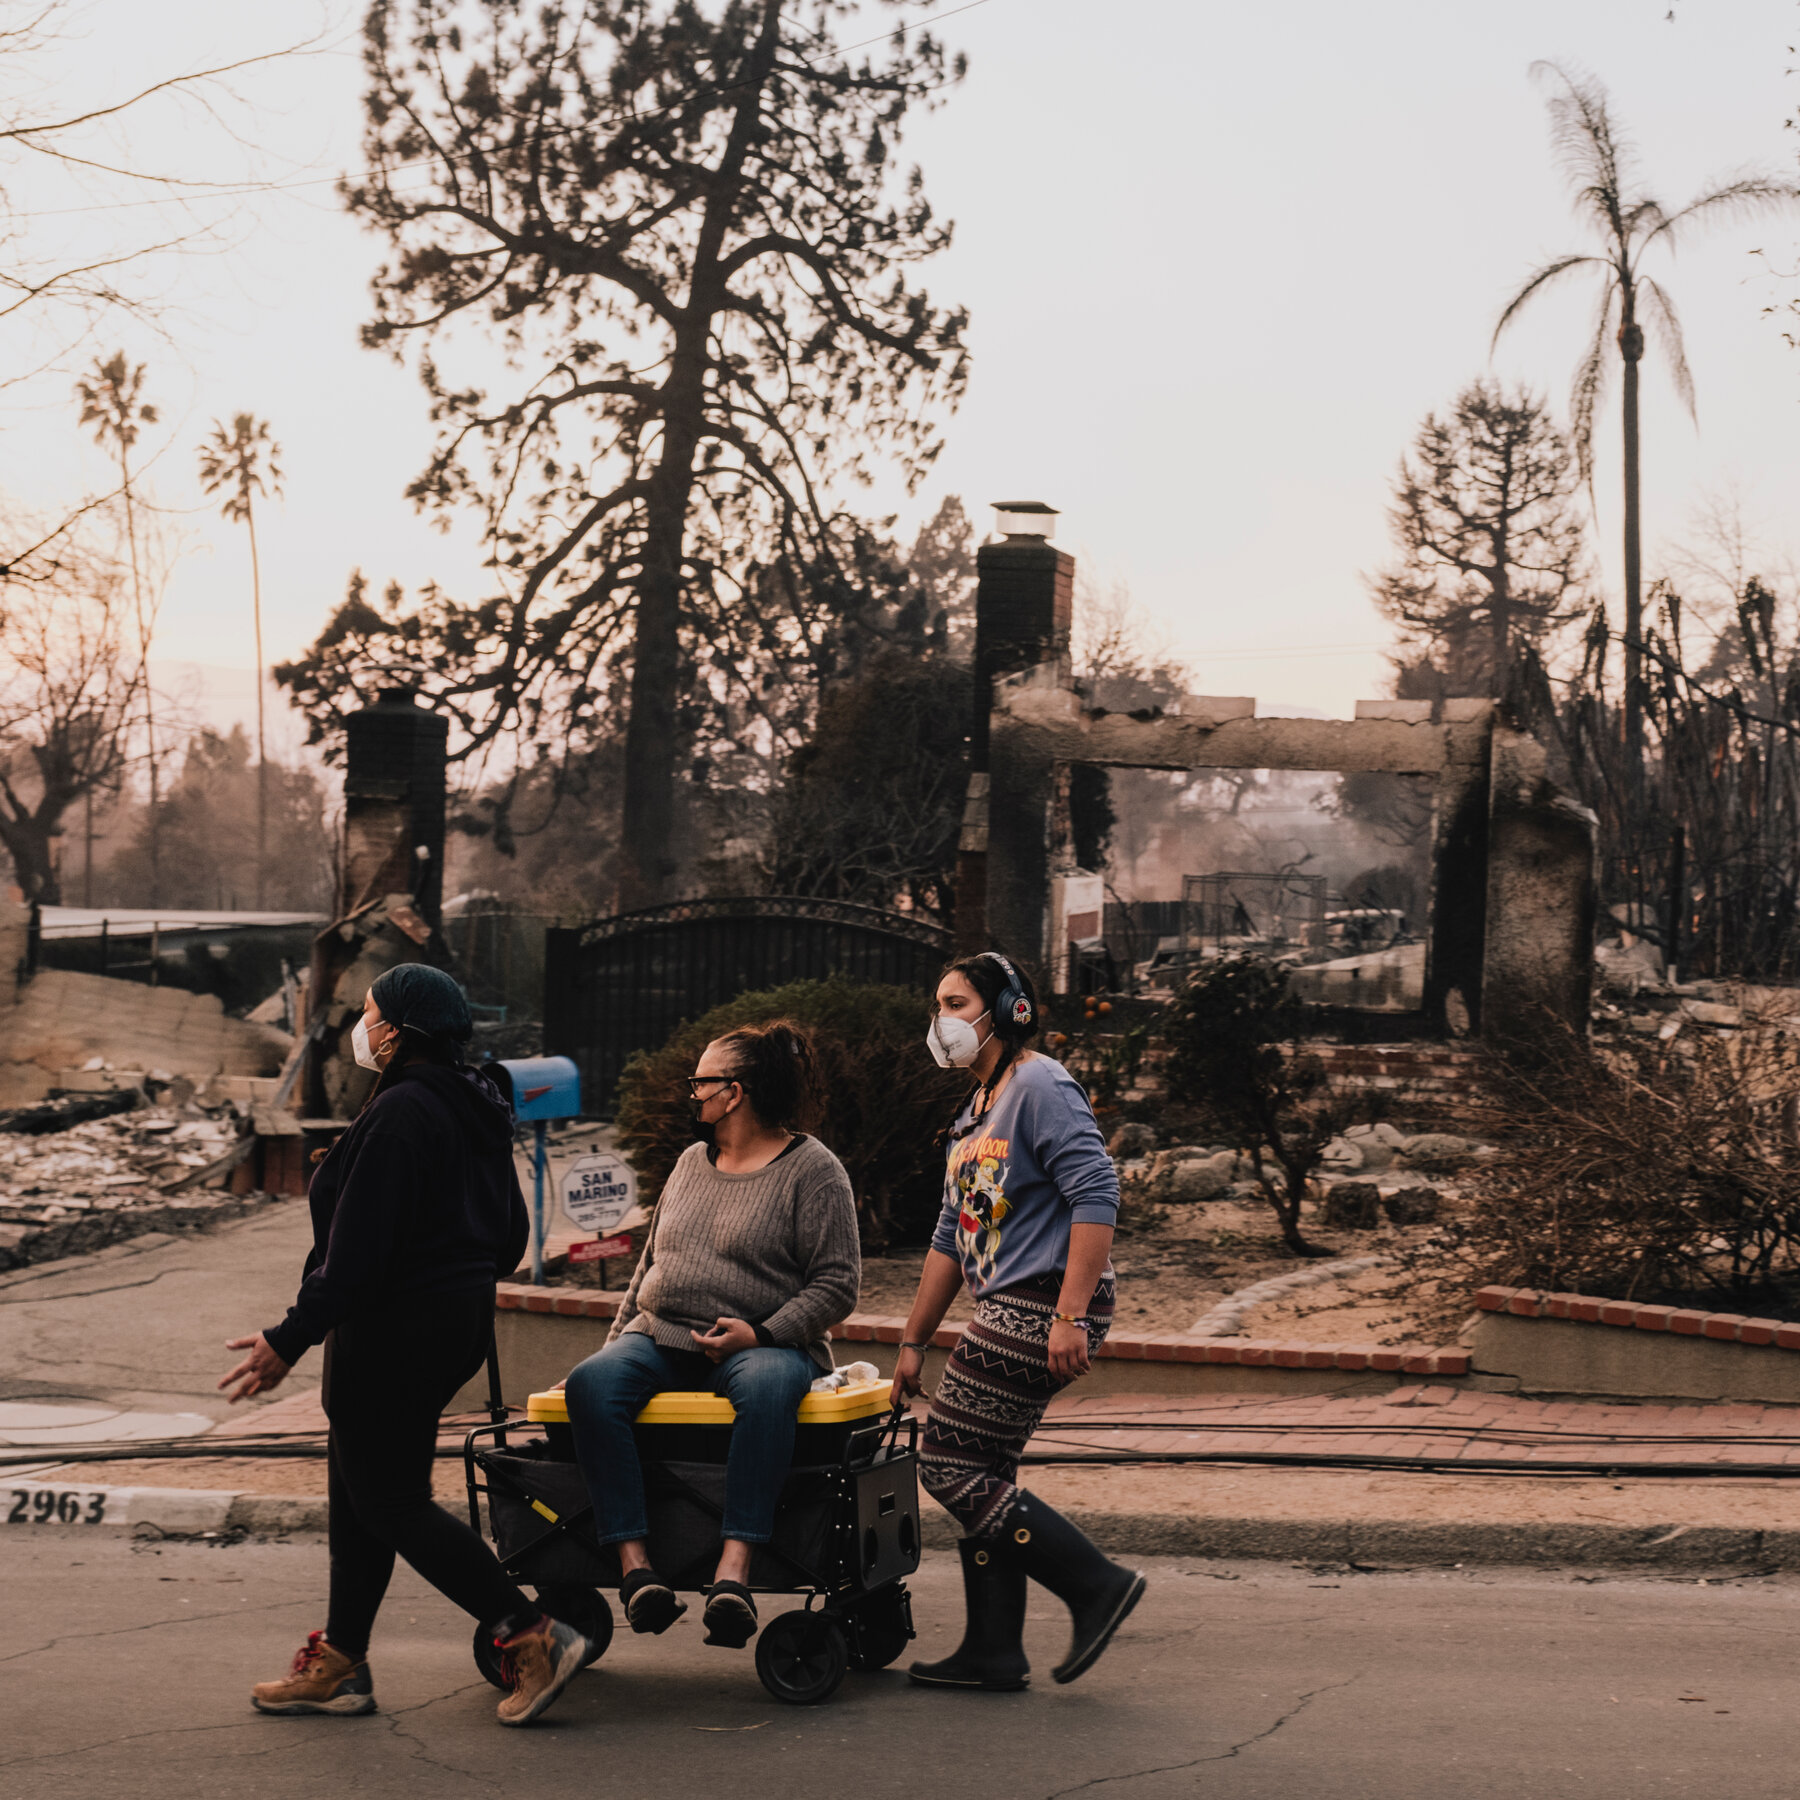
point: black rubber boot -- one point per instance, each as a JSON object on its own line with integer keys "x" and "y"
{"x": 1096, "y": 1590}
{"x": 992, "y": 1653}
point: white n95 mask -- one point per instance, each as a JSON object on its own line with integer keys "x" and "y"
{"x": 954, "y": 1043}
{"x": 359, "y": 1047}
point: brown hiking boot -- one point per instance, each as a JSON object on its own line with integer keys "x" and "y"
{"x": 322, "y": 1680}
{"x": 538, "y": 1664}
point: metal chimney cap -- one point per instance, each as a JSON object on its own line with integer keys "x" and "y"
{"x": 1025, "y": 518}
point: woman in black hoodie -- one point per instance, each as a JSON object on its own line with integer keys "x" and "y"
{"x": 416, "y": 1212}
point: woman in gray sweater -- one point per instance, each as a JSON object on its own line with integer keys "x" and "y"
{"x": 752, "y": 1254}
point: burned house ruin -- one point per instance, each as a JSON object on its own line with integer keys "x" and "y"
{"x": 1509, "y": 936}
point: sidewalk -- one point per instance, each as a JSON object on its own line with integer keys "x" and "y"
{"x": 1428, "y": 1505}
{"x": 1434, "y": 1425}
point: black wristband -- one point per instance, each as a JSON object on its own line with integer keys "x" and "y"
{"x": 764, "y": 1336}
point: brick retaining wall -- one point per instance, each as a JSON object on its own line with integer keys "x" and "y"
{"x": 1586, "y": 1344}
{"x": 1588, "y": 1309}
{"x": 1193, "y": 1363}
{"x": 1416, "y": 1072}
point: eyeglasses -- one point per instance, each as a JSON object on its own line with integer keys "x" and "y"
{"x": 696, "y": 1082}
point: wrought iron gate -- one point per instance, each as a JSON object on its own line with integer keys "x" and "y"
{"x": 622, "y": 985}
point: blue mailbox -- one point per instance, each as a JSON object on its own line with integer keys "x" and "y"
{"x": 540, "y": 1088}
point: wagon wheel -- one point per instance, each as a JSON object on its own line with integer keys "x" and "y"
{"x": 880, "y": 1627}
{"x": 583, "y": 1607}
{"x": 487, "y": 1658}
{"x": 801, "y": 1657}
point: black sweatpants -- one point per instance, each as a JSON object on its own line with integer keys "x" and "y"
{"x": 388, "y": 1377}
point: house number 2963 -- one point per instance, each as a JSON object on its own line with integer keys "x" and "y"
{"x": 45, "y": 1506}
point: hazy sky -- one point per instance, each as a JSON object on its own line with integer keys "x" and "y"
{"x": 1220, "y": 260}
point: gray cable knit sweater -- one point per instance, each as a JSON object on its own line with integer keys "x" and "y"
{"x": 777, "y": 1247}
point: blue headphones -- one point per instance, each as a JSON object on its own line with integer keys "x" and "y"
{"x": 1013, "y": 1006}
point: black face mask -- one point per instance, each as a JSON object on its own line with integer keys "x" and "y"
{"x": 705, "y": 1132}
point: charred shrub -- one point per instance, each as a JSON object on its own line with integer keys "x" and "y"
{"x": 1642, "y": 1169}
{"x": 1235, "y": 1056}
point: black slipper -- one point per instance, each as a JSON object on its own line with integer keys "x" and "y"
{"x": 730, "y": 1615}
{"x": 650, "y": 1603}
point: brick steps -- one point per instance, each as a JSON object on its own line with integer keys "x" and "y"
{"x": 1415, "y": 1071}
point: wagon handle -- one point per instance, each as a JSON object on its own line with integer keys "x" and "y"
{"x": 499, "y": 1413}
{"x": 901, "y": 1416}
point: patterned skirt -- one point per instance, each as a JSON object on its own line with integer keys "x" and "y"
{"x": 992, "y": 1396}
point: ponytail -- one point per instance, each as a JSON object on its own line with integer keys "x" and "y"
{"x": 779, "y": 1070}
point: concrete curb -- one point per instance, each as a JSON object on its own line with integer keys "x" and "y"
{"x": 180, "y": 1512}
{"x": 278, "y": 1515}
{"x": 1445, "y": 1543}
{"x": 68, "y": 1508}
{"x": 71, "y": 1510}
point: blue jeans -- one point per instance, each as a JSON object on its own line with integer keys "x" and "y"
{"x": 608, "y": 1391}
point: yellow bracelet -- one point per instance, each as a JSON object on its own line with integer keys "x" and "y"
{"x": 1067, "y": 1319}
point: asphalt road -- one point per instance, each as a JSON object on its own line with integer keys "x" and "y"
{"x": 126, "y": 1668}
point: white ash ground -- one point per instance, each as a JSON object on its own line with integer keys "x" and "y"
{"x": 161, "y": 1165}
{"x": 1176, "y": 1262}
{"x": 107, "y": 1162}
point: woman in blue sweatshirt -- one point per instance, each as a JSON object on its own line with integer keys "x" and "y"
{"x": 1030, "y": 1201}
{"x": 416, "y": 1212}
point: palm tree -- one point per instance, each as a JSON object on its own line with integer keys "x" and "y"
{"x": 112, "y": 402}
{"x": 1601, "y": 165}
{"x": 242, "y": 463}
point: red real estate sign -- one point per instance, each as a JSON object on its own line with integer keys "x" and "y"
{"x": 599, "y": 1249}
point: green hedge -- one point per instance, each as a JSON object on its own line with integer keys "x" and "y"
{"x": 886, "y": 1102}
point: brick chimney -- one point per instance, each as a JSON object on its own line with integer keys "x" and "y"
{"x": 1024, "y": 608}
{"x": 395, "y": 757}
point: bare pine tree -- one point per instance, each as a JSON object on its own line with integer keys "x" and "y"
{"x": 1490, "y": 543}
{"x": 685, "y": 229}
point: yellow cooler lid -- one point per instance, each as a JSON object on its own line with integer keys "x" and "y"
{"x": 860, "y": 1400}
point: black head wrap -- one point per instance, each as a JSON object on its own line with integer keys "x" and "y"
{"x": 420, "y": 998}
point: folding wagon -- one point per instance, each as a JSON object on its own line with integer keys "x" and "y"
{"x": 846, "y": 1529}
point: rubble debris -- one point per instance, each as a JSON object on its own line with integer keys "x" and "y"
{"x": 1379, "y": 1144}
{"x": 62, "y": 1109}
{"x": 1391, "y": 980}
{"x": 25, "y": 1244}
{"x": 1188, "y": 1181}
{"x": 1131, "y": 1141}
{"x": 76, "y": 1186}
{"x": 1412, "y": 1206}
{"x": 1439, "y": 1150}
{"x": 1626, "y": 968}
{"x": 1190, "y": 1172}
{"x": 60, "y": 1019}
{"x": 1710, "y": 1012}
{"x": 1353, "y": 1206}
